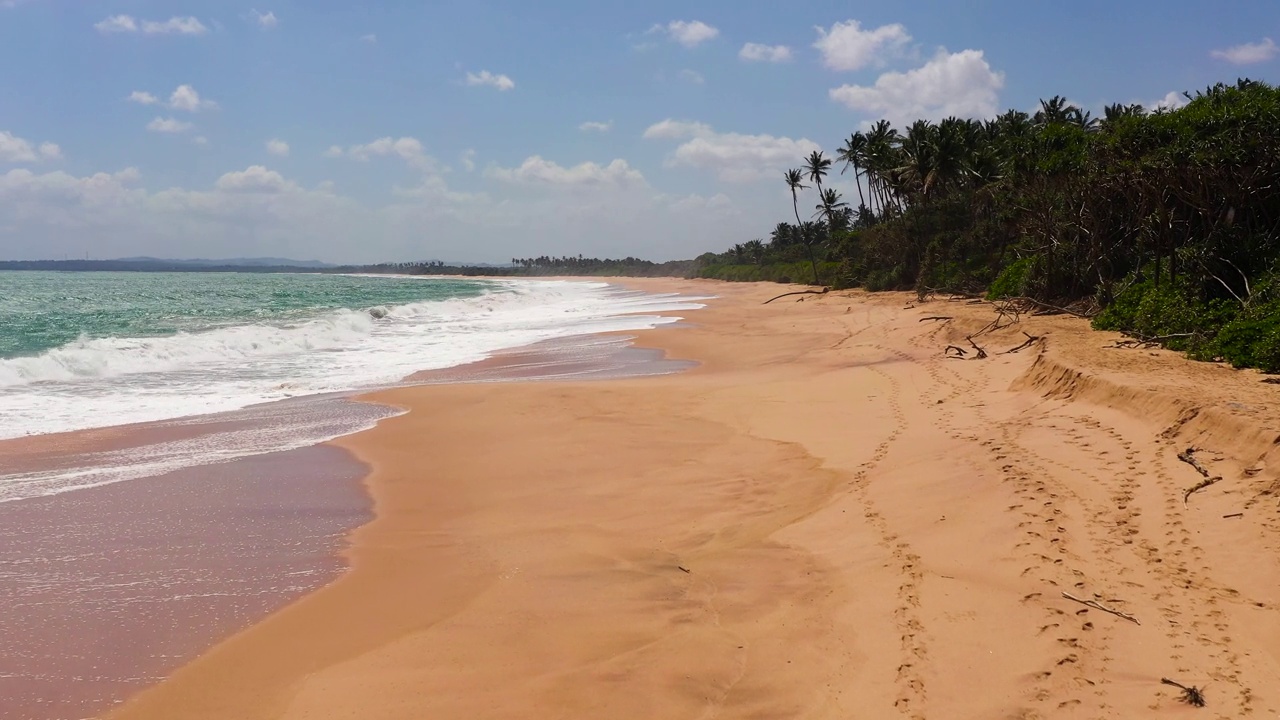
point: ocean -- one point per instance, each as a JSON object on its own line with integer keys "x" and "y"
{"x": 92, "y": 350}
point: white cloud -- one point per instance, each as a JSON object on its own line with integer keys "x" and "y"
{"x": 734, "y": 157}
{"x": 848, "y": 47}
{"x": 200, "y": 140}
{"x": 1172, "y": 101}
{"x": 371, "y": 38}
{"x": 689, "y": 34}
{"x": 174, "y": 26}
{"x": 265, "y": 21}
{"x": 593, "y": 126}
{"x": 254, "y": 179}
{"x": 116, "y": 24}
{"x": 468, "y": 159}
{"x": 693, "y": 77}
{"x": 278, "y": 147}
{"x": 960, "y": 84}
{"x": 1248, "y": 53}
{"x": 718, "y": 203}
{"x": 14, "y": 149}
{"x": 501, "y": 82}
{"x": 169, "y": 125}
{"x": 755, "y": 52}
{"x": 537, "y": 171}
{"x": 407, "y": 148}
{"x": 183, "y": 98}
{"x": 186, "y": 98}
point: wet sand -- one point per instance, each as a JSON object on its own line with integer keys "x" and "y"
{"x": 826, "y": 518}
{"x": 109, "y": 589}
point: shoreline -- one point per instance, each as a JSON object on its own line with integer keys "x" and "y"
{"x": 795, "y": 565}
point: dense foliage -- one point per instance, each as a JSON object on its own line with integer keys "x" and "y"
{"x": 1164, "y": 224}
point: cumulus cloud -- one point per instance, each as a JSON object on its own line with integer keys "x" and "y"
{"x": 143, "y": 98}
{"x": 186, "y": 98}
{"x": 537, "y": 171}
{"x": 593, "y": 126}
{"x": 14, "y": 149}
{"x": 254, "y": 179}
{"x": 734, "y": 157}
{"x": 172, "y": 26}
{"x": 266, "y": 20}
{"x": 371, "y": 38}
{"x": 278, "y": 147}
{"x": 168, "y": 125}
{"x": 1248, "y": 53}
{"x": 687, "y": 33}
{"x": 183, "y": 98}
{"x": 1172, "y": 101}
{"x": 407, "y": 148}
{"x": 484, "y": 77}
{"x": 756, "y": 52}
{"x": 846, "y": 46}
{"x": 116, "y": 24}
{"x": 468, "y": 159}
{"x": 960, "y": 84}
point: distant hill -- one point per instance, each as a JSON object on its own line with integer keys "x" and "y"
{"x": 229, "y": 262}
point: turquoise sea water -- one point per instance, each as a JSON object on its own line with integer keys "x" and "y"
{"x": 41, "y": 311}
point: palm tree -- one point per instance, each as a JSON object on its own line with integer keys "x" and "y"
{"x": 755, "y": 248}
{"x": 831, "y": 208}
{"x": 851, "y": 154}
{"x": 1055, "y": 110}
{"x": 816, "y": 166}
{"x": 794, "y": 180}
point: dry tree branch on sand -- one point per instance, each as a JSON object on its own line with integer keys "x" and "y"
{"x": 1188, "y": 457}
{"x": 823, "y": 291}
{"x": 1031, "y": 340}
{"x": 1190, "y": 695}
{"x": 1099, "y": 606}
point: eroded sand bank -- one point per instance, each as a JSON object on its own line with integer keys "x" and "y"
{"x": 826, "y": 519}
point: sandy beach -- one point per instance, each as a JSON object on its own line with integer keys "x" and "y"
{"x": 828, "y": 517}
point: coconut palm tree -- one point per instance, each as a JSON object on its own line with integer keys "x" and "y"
{"x": 851, "y": 154}
{"x": 816, "y": 167}
{"x": 794, "y": 181}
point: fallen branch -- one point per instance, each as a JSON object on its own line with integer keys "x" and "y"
{"x": 1187, "y": 457}
{"x": 1031, "y": 340}
{"x": 1099, "y": 606}
{"x": 1198, "y": 487}
{"x": 1190, "y": 695}
{"x": 823, "y": 291}
{"x": 1149, "y": 342}
{"x": 981, "y": 352}
{"x": 1233, "y": 515}
{"x": 683, "y": 568}
{"x": 959, "y": 351}
{"x": 935, "y": 317}
{"x": 1047, "y": 306}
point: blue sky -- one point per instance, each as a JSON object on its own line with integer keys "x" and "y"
{"x": 482, "y": 130}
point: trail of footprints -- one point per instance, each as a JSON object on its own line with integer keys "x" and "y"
{"x": 1195, "y": 628}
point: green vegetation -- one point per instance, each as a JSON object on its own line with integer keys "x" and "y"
{"x": 1164, "y": 225}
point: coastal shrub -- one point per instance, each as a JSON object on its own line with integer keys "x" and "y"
{"x": 1011, "y": 282}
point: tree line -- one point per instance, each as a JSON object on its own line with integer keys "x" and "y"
{"x": 1164, "y": 224}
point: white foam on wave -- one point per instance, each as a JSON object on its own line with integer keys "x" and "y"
{"x": 111, "y": 381}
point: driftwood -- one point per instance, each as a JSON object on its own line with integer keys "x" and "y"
{"x": 1198, "y": 487}
{"x": 1031, "y": 340}
{"x": 1232, "y": 515}
{"x": 1187, "y": 456}
{"x": 1149, "y": 342}
{"x": 823, "y": 291}
{"x": 959, "y": 351}
{"x": 935, "y": 317}
{"x": 981, "y": 352}
{"x": 1190, "y": 695}
{"x": 1099, "y": 606}
{"x": 1051, "y": 308}
{"x": 683, "y": 568}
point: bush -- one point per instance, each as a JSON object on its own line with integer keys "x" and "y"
{"x": 1012, "y": 281}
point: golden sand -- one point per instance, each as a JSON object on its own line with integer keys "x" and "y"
{"x": 827, "y": 518}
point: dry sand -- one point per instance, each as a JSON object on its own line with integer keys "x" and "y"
{"x": 825, "y": 519}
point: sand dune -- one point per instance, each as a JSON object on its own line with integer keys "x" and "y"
{"x": 827, "y": 518}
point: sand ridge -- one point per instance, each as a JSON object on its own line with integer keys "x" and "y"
{"x": 827, "y": 518}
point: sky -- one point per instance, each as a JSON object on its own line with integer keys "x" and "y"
{"x": 483, "y": 130}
